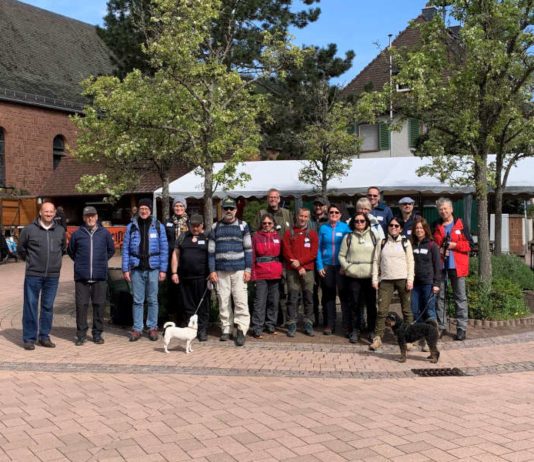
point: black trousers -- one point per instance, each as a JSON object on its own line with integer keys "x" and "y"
{"x": 191, "y": 291}
{"x": 95, "y": 293}
{"x": 333, "y": 284}
{"x": 360, "y": 294}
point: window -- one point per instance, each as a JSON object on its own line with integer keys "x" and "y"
{"x": 415, "y": 130}
{"x": 2, "y": 158}
{"x": 375, "y": 137}
{"x": 59, "y": 150}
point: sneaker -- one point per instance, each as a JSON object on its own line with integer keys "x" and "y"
{"x": 29, "y": 346}
{"x": 47, "y": 343}
{"x": 257, "y": 334}
{"x": 202, "y": 336}
{"x": 239, "y": 338}
{"x": 224, "y": 337}
{"x": 98, "y": 340}
{"x": 354, "y": 336}
{"x": 308, "y": 329}
{"x": 291, "y": 330}
{"x": 377, "y": 343}
{"x": 79, "y": 341}
{"x": 135, "y": 335}
{"x": 153, "y": 334}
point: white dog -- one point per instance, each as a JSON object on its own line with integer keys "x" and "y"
{"x": 188, "y": 333}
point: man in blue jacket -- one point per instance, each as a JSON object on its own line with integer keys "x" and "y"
{"x": 145, "y": 257}
{"x": 41, "y": 246}
{"x": 91, "y": 246}
{"x": 379, "y": 209}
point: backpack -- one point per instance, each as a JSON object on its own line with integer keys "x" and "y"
{"x": 404, "y": 241}
{"x": 349, "y": 240}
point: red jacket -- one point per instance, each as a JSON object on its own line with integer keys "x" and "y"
{"x": 301, "y": 246}
{"x": 461, "y": 253}
{"x": 266, "y": 246}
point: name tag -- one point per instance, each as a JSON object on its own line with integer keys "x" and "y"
{"x": 306, "y": 239}
{"x": 307, "y": 245}
{"x": 458, "y": 231}
{"x": 278, "y": 227}
{"x": 380, "y": 218}
{"x": 170, "y": 225}
{"x": 424, "y": 251}
{"x": 415, "y": 250}
{"x": 276, "y": 241}
{"x": 242, "y": 227}
{"x": 153, "y": 235}
{"x": 201, "y": 242}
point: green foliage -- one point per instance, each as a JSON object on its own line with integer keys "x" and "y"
{"x": 509, "y": 267}
{"x": 251, "y": 211}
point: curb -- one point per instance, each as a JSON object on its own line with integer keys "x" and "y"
{"x": 488, "y": 324}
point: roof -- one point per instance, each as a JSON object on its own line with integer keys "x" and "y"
{"x": 393, "y": 175}
{"x": 63, "y": 181}
{"x": 47, "y": 55}
{"x": 376, "y": 74}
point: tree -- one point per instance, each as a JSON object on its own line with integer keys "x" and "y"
{"x": 464, "y": 83}
{"x": 328, "y": 142}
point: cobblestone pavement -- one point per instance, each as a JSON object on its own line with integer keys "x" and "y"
{"x": 271, "y": 400}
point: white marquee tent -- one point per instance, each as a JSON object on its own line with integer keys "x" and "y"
{"x": 394, "y": 175}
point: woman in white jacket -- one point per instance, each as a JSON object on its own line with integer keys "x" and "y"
{"x": 356, "y": 259}
{"x": 393, "y": 268}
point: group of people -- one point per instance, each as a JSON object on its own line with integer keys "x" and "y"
{"x": 361, "y": 259}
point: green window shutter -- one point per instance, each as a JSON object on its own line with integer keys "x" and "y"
{"x": 384, "y": 137}
{"x": 414, "y": 132}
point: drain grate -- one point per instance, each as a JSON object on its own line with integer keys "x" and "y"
{"x": 443, "y": 372}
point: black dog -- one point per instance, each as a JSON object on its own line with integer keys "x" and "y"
{"x": 409, "y": 333}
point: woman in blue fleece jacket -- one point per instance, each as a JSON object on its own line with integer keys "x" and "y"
{"x": 330, "y": 236}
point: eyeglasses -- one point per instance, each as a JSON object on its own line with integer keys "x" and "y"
{"x": 393, "y": 225}
{"x": 359, "y": 221}
{"x": 334, "y": 212}
{"x": 267, "y": 223}
{"x": 228, "y": 208}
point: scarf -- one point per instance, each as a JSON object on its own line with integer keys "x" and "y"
{"x": 180, "y": 225}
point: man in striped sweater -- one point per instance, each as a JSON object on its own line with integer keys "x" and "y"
{"x": 230, "y": 263}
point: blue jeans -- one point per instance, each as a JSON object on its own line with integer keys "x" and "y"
{"x": 145, "y": 284}
{"x": 32, "y": 323}
{"x": 421, "y": 294}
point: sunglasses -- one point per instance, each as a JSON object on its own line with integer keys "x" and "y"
{"x": 265, "y": 223}
{"x": 359, "y": 221}
{"x": 394, "y": 226}
{"x": 228, "y": 208}
{"x": 334, "y": 212}
{"x": 404, "y": 205}
{"x": 372, "y": 195}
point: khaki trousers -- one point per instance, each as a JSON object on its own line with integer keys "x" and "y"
{"x": 231, "y": 286}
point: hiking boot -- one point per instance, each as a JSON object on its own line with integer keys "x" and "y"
{"x": 224, "y": 337}
{"x": 47, "y": 343}
{"x": 308, "y": 329}
{"x": 202, "y": 336}
{"x": 239, "y": 338}
{"x": 442, "y": 332}
{"x": 328, "y": 330}
{"x": 135, "y": 335}
{"x": 291, "y": 330}
{"x": 79, "y": 341}
{"x": 460, "y": 335}
{"x": 29, "y": 346}
{"x": 153, "y": 334}
{"x": 257, "y": 334}
{"x": 98, "y": 340}
{"x": 377, "y": 344}
{"x": 354, "y": 336}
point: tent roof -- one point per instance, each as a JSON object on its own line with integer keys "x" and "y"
{"x": 393, "y": 175}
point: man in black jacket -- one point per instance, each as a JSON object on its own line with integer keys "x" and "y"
{"x": 91, "y": 246}
{"x": 41, "y": 245}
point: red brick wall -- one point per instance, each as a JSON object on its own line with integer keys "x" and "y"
{"x": 29, "y": 133}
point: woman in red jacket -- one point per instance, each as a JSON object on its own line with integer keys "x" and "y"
{"x": 266, "y": 272}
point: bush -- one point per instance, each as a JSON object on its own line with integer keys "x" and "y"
{"x": 508, "y": 267}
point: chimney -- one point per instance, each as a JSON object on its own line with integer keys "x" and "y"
{"x": 429, "y": 12}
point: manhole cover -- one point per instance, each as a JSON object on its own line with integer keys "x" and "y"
{"x": 439, "y": 372}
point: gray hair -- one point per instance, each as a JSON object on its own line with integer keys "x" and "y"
{"x": 363, "y": 203}
{"x": 442, "y": 201}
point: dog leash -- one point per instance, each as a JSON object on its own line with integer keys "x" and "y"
{"x": 203, "y": 296}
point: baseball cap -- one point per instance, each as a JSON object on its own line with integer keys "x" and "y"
{"x": 196, "y": 219}
{"x": 320, "y": 200}
{"x": 228, "y": 203}
{"x": 89, "y": 210}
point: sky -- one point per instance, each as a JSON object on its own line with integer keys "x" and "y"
{"x": 359, "y": 25}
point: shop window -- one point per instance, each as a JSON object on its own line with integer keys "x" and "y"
{"x": 59, "y": 150}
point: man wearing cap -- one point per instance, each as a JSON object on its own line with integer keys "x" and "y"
{"x": 41, "y": 246}
{"x": 408, "y": 215}
{"x": 379, "y": 209}
{"x": 230, "y": 265}
{"x": 320, "y": 214}
{"x": 145, "y": 257}
{"x": 189, "y": 267}
{"x": 90, "y": 247}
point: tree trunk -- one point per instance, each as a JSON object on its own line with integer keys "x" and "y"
{"x": 484, "y": 255}
{"x": 208, "y": 197}
{"x": 498, "y": 205}
{"x": 165, "y": 197}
